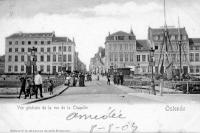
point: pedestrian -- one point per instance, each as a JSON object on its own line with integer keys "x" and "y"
{"x": 23, "y": 85}
{"x": 38, "y": 84}
{"x": 108, "y": 79}
{"x": 51, "y": 86}
{"x": 28, "y": 88}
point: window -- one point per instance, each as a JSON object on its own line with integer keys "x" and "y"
{"x": 116, "y": 59}
{"x": 10, "y": 49}
{"x": 42, "y": 42}
{"x": 69, "y": 49}
{"x": 191, "y": 69}
{"x": 131, "y": 57}
{"x": 191, "y": 47}
{"x": 22, "y": 68}
{"x": 65, "y": 48}
{"x": 126, "y": 57}
{"x": 22, "y": 49}
{"x": 121, "y": 57}
{"x": 10, "y": 43}
{"x": 59, "y": 68}
{"x": 54, "y": 49}
{"x": 120, "y": 46}
{"x": 16, "y": 68}
{"x": 156, "y": 38}
{"x": 48, "y": 49}
{"x": 28, "y": 58}
{"x": 48, "y": 68}
{"x": 41, "y": 67}
{"x": 197, "y": 48}
{"x": 29, "y": 42}
{"x": 41, "y": 58}
{"x": 64, "y": 58}
{"x": 16, "y": 58}
{"x": 16, "y": 42}
{"x": 143, "y": 57}
{"x": 22, "y": 58}
{"x": 69, "y": 57}
{"x": 48, "y": 42}
{"x": 9, "y": 58}
{"x": 59, "y": 58}
{"x": 48, "y": 58}
{"x": 54, "y": 58}
{"x": 111, "y": 56}
{"x": 120, "y": 37}
{"x": 60, "y": 48}
{"x": 191, "y": 57}
{"x": 9, "y": 68}
{"x": 156, "y": 47}
{"x": 197, "y": 69}
{"x": 35, "y": 42}
{"x": 16, "y": 49}
{"x": 41, "y": 49}
{"x": 29, "y": 49}
{"x": 196, "y": 56}
{"x": 138, "y": 58}
{"x": 23, "y": 42}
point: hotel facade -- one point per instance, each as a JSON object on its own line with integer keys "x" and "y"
{"x": 52, "y": 53}
{"x": 123, "y": 50}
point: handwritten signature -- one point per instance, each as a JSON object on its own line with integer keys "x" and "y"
{"x": 112, "y": 113}
{"x": 129, "y": 127}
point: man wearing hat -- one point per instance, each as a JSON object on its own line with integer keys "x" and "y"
{"x": 38, "y": 84}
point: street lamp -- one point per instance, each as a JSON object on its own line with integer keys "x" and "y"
{"x": 151, "y": 63}
{"x": 33, "y": 51}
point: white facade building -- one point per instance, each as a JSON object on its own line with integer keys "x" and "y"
{"x": 53, "y": 53}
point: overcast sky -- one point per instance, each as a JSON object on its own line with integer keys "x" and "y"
{"x": 89, "y": 21}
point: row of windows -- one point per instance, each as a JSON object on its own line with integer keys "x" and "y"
{"x": 194, "y": 69}
{"x": 29, "y": 42}
{"x": 174, "y": 47}
{"x": 121, "y": 57}
{"x": 121, "y": 38}
{"x": 121, "y": 47}
{"x": 194, "y": 57}
{"x": 60, "y": 49}
{"x": 48, "y": 67}
{"x": 172, "y": 37}
{"x": 142, "y": 58}
{"x": 194, "y": 47}
{"x": 175, "y": 57}
{"x": 56, "y": 58}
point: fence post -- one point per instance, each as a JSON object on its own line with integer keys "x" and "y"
{"x": 161, "y": 86}
{"x": 187, "y": 88}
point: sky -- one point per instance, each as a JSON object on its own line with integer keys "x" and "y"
{"x": 90, "y": 21}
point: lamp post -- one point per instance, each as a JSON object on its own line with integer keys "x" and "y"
{"x": 151, "y": 63}
{"x": 33, "y": 51}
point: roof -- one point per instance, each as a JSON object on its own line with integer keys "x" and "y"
{"x": 193, "y": 41}
{"x": 61, "y": 39}
{"x": 158, "y": 31}
{"x": 121, "y": 33}
{"x": 31, "y": 35}
{"x": 142, "y": 45}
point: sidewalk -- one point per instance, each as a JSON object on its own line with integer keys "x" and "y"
{"x": 57, "y": 91}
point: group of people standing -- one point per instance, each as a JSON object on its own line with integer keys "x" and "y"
{"x": 30, "y": 86}
{"x": 73, "y": 79}
{"x": 118, "y": 78}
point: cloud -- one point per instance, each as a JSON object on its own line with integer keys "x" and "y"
{"x": 90, "y": 25}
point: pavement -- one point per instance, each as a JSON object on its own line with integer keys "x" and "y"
{"x": 14, "y": 97}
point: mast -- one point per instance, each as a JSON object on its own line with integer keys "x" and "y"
{"x": 179, "y": 43}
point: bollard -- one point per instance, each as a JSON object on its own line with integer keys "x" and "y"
{"x": 161, "y": 86}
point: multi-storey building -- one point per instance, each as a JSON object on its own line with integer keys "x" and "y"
{"x": 52, "y": 53}
{"x": 2, "y": 64}
{"x": 194, "y": 57}
{"x": 120, "y": 50}
{"x": 156, "y": 35}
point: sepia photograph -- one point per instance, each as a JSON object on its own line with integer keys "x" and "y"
{"x": 99, "y": 66}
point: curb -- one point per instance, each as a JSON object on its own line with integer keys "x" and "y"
{"x": 49, "y": 97}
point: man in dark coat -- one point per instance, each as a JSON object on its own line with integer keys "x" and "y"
{"x": 23, "y": 85}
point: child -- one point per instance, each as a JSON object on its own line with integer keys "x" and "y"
{"x": 51, "y": 87}
{"x": 28, "y": 88}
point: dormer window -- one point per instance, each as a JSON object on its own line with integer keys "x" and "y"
{"x": 120, "y": 37}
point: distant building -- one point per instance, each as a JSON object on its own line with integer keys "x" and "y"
{"x": 2, "y": 64}
{"x": 54, "y": 54}
{"x": 97, "y": 63}
{"x": 194, "y": 57}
